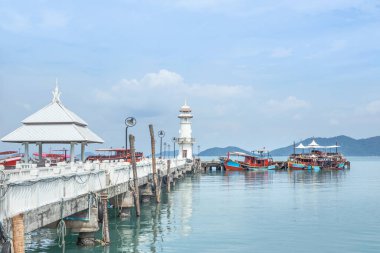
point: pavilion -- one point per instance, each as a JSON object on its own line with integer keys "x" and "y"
{"x": 53, "y": 124}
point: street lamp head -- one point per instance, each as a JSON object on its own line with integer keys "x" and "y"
{"x": 130, "y": 121}
{"x": 174, "y": 139}
{"x": 161, "y": 133}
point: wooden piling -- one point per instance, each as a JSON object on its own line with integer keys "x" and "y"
{"x": 155, "y": 180}
{"x": 135, "y": 178}
{"x": 106, "y": 232}
{"x": 18, "y": 233}
{"x": 168, "y": 177}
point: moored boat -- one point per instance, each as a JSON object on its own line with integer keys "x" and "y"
{"x": 9, "y": 159}
{"x": 115, "y": 154}
{"x": 317, "y": 159}
{"x": 256, "y": 161}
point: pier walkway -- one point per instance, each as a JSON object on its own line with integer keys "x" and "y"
{"x": 43, "y": 195}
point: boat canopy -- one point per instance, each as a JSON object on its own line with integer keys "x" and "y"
{"x": 333, "y": 146}
{"x": 239, "y": 153}
{"x": 314, "y": 144}
{"x": 301, "y": 146}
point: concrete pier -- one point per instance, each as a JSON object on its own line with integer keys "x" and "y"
{"x": 42, "y": 195}
{"x": 209, "y": 165}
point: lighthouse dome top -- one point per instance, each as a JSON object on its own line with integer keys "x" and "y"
{"x": 185, "y": 108}
{"x": 185, "y": 111}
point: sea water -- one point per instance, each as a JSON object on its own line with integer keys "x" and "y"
{"x": 271, "y": 211}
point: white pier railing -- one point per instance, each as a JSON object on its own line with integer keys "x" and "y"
{"x": 28, "y": 188}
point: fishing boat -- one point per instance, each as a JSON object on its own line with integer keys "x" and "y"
{"x": 9, "y": 159}
{"x": 115, "y": 154}
{"x": 255, "y": 161}
{"x": 317, "y": 159}
{"x": 52, "y": 159}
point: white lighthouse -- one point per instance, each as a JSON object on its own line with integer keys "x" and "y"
{"x": 185, "y": 142}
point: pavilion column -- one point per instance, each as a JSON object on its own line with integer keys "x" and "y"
{"x": 26, "y": 152}
{"x": 39, "y": 151}
{"x": 83, "y": 145}
{"x": 72, "y": 146}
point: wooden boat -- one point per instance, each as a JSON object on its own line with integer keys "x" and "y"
{"x": 245, "y": 161}
{"x": 9, "y": 159}
{"x": 317, "y": 159}
{"x": 115, "y": 154}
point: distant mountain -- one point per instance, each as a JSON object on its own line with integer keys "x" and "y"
{"x": 349, "y": 146}
{"x": 221, "y": 151}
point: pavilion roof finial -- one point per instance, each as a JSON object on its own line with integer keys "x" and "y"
{"x": 56, "y": 93}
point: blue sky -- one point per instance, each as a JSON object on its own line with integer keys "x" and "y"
{"x": 256, "y": 73}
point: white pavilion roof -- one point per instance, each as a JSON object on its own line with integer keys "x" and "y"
{"x": 54, "y": 113}
{"x": 53, "y": 124}
{"x": 52, "y": 133}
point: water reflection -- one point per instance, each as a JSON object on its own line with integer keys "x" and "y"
{"x": 158, "y": 223}
{"x": 264, "y": 178}
{"x": 321, "y": 177}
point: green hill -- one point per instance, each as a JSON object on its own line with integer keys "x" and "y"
{"x": 221, "y": 151}
{"x": 349, "y": 147}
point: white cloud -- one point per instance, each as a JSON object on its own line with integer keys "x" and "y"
{"x": 312, "y": 6}
{"x": 163, "y": 89}
{"x": 204, "y": 4}
{"x": 282, "y": 52}
{"x": 288, "y": 104}
{"x": 373, "y": 107}
{"x": 53, "y": 19}
{"x": 14, "y": 22}
{"x": 20, "y": 22}
{"x": 334, "y": 122}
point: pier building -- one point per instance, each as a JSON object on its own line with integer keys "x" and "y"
{"x": 53, "y": 124}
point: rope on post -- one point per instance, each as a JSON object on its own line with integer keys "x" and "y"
{"x": 61, "y": 230}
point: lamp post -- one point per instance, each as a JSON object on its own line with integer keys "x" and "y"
{"x": 168, "y": 148}
{"x": 129, "y": 122}
{"x": 174, "y": 139}
{"x": 199, "y": 147}
{"x": 161, "y": 134}
{"x": 164, "y": 150}
{"x": 64, "y": 151}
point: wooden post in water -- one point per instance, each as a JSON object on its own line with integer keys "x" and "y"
{"x": 155, "y": 180}
{"x": 135, "y": 179}
{"x": 168, "y": 176}
{"x": 18, "y": 233}
{"x": 106, "y": 232}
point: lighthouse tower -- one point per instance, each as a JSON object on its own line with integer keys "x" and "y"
{"x": 185, "y": 142}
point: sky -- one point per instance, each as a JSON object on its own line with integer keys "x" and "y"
{"x": 255, "y": 73}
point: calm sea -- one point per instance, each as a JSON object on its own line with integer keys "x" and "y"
{"x": 328, "y": 211}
